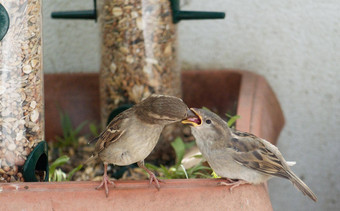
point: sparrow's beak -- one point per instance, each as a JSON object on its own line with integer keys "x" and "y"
{"x": 193, "y": 118}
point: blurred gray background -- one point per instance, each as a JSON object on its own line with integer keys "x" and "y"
{"x": 294, "y": 44}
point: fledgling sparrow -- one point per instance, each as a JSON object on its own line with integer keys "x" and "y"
{"x": 237, "y": 155}
{"x": 132, "y": 135}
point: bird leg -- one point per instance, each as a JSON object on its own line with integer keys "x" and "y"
{"x": 105, "y": 181}
{"x": 151, "y": 174}
{"x": 232, "y": 183}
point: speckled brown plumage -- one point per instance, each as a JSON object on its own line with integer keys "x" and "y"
{"x": 238, "y": 155}
{"x": 132, "y": 135}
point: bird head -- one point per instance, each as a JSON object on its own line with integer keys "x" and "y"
{"x": 205, "y": 123}
{"x": 162, "y": 109}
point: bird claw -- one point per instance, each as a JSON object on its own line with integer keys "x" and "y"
{"x": 156, "y": 180}
{"x": 104, "y": 183}
{"x": 232, "y": 183}
{"x": 151, "y": 174}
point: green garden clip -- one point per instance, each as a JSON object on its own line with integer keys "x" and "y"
{"x": 4, "y": 22}
{"x": 37, "y": 164}
{"x": 177, "y": 14}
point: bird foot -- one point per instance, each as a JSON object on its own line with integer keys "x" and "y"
{"x": 104, "y": 183}
{"x": 151, "y": 174}
{"x": 153, "y": 178}
{"x": 232, "y": 183}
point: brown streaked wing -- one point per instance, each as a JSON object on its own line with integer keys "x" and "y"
{"x": 256, "y": 156}
{"x": 243, "y": 142}
{"x": 107, "y": 139}
{"x": 112, "y": 132}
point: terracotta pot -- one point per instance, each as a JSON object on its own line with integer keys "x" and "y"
{"x": 179, "y": 194}
{"x": 242, "y": 92}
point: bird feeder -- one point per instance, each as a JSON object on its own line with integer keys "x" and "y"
{"x": 23, "y": 151}
{"x": 139, "y": 49}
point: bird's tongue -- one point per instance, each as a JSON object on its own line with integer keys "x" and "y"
{"x": 194, "y": 119}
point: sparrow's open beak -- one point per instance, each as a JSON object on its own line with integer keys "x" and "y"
{"x": 193, "y": 118}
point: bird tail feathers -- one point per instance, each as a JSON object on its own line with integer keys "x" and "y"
{"x": 291, "y": 163}
{"x": 298, "y": 183}
{"x": 92, "y": 158}
{"x": 93, "y": 140}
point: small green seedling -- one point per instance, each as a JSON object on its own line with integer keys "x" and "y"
{"x": 178, "y": 171}
{"x": 70, "y": 135}
{"x": 57, "y": 175}
{"x": 94, "y": 128}
{"x": 232, "y": 119}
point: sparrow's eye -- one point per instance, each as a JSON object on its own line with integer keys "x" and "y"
{"x": 208, "y": 121}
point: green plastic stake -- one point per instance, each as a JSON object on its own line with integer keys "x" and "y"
{"x": 178, "y": 15}
{"x": 4, "y": 22}
{"x": 83, "y": 14}
{"x": 37, "y": 160}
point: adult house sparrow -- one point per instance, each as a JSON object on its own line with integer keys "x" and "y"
{"x": 132, "y": 135}
{"x": 238, "y": 155}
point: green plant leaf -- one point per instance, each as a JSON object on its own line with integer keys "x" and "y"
{"x": 201, "y": 175}
{"x": 200, "y": 167}
{"x": 70, "y": 135}
{"x": 228, "y": 115}
{"x": 189, "y": 145}
{"x": 205, "y": 108}
{"x": 196, "y": 168}
{"x": 184, "y": 171}
{"x": 94, "y": 129}
{"x": 232, "y": 119}
{"x": 59, "y": 176}
{"x": 179, "y": 148}
{"x": 214, "y": 175}
{"x": 58, "y": 162}
{"x": 65, "y": 121}
{"x": 70, "y": 175}
{"x": 152, "y": 167}
{"x": 80, "y": 127}
{"x": 198, "y": 156}
{"x": 166, "y": 172}
{"x": 177, "y": 171}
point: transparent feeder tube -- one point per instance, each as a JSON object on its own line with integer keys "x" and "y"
{"x": 21, "y": 88}
{"x": 139, "y": 52}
